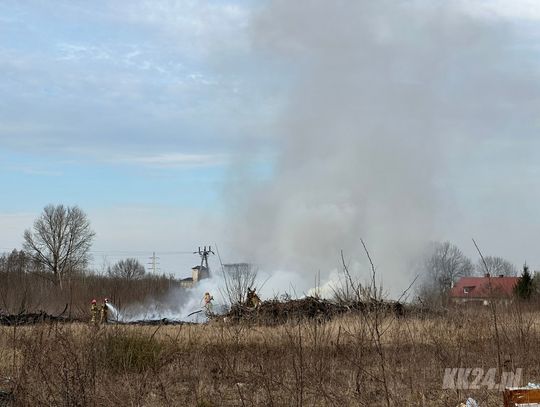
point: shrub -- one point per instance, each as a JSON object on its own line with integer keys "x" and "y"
{"x": 130, "y": 352}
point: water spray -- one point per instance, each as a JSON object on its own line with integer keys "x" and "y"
{"x": 115, "y": 313}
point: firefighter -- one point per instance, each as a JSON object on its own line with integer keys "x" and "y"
{"x": 207, "y": 304}
{"x": 105, "y": 311}
{"x": 252, "y": 299}
{"x": 94, "y": 311}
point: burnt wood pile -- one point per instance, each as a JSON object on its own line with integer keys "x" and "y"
{"x": 271, "y": 312}
{"x": 6, "y": 398}
{"x": 31, "y": 318}
{"x": 309, "y": 308}
{"x": 162, "y": 321}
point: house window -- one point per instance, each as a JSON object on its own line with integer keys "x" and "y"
{"x": 467, "y": 290}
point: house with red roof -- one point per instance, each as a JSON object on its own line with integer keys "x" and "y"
{"x": 484, "y": 289}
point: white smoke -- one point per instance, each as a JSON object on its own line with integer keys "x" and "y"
{"x": 382, "y": 98}
{"x": 177, "y": 305}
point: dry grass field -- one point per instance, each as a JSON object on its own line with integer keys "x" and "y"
{"x": 342, "y": 362}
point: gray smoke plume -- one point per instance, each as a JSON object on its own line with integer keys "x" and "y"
{"x": 382, "y": 97}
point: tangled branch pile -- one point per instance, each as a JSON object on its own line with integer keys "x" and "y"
{"x": 153, "y": 322}
{"x": 277, "y": 312}
{"x": 31, "y": 318}
{"x": 272, "y": 312}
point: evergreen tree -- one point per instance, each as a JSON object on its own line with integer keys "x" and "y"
{"x": 536, "y": 285}
{"x": 524, "y": 287}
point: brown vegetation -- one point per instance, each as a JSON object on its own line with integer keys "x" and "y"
{"x": 23, "y": 288}
{"x": 304, "y": 363}
{"x": 359, "y": 350}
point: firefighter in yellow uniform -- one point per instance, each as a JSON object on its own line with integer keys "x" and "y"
{"x": 104, "y": 311}
{"x": 207, "y": 304}
{"x": 94, "y": 312}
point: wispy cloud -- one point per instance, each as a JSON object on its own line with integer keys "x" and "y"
{"x": 513, "y": 9}
{"x": 173, "y": 160}
{"x": 16, "y": 129}
{"x": 194, "y": 26}
{"x": 28, "y": 170}
{"x": 71, "y": 52}
{"x": 137, "y": 74}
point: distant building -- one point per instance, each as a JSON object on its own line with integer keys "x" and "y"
{"x": 482, "y": 290}
{"x": 197, "y": 273}
{"x": 200, "y": 272}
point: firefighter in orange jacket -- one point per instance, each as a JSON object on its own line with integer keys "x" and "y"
{"x": 104, "y": 311}
{"x": 94, "y": 312}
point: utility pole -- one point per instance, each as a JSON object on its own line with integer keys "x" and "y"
{"x": 204, "y": 253}
{"x": 154, "y": 263}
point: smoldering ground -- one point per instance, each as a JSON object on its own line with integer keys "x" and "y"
{"x": 383, "y": 100}
{"x": 177, "y": 304}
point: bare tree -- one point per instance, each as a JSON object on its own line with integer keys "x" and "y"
{"x": 442, "y": 268}
{"x": 239, "y": 277}
{"x": 497, "y": 266}
{"x": 348, "y": 289}
{"x": 15, "y": 287}
{"x": 15, "y": 262}
{"x": 128, "y": 269}
{"x": 59, "y": 241}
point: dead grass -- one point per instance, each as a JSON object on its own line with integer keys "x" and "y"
{"x": 308, "y": 363}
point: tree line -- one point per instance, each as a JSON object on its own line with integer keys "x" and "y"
{"x": 445, "y": 264}
{"x": 51, "y": 271}
{"x": 60, "y": 241}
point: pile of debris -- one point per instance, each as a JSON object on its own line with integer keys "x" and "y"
{"x": 309, "y": 308}
{"x": 6, "y": 398}
{"x": 31, "y": 318}
{"x": 162, "y": 321}
{"x": 272, "y": 312}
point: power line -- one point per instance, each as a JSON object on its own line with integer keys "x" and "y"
{"x": 204, "y": 253}
{"x": 119, "y": 252}
{"x": 143, "y": 252}
{"x": 154, "y": 263}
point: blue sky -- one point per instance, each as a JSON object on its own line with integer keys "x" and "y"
{"x": 124, "y": 104}
{"x": 152, "y": 116}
